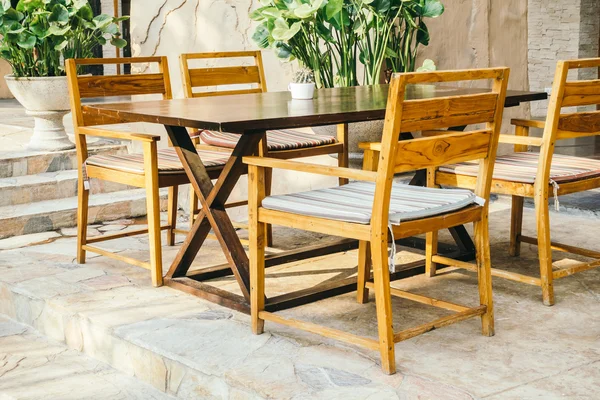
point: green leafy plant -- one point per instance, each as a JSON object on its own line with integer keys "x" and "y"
{"x": 332, "y": 37}
{"x": 37, "y": 35}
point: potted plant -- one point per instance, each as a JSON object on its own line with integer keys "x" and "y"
{"x": 36, "y": 36}
{"x": 334, "y": 37}
{"x": 303, "y": 86}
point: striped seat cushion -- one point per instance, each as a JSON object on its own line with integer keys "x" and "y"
{"x": 168, "y": 161}
{"x": 354, "y": 202}
{"x": 522, "y": 167}
{"x": 276, "y": 140}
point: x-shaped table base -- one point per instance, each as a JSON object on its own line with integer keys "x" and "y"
{"x": 214, "y": 216}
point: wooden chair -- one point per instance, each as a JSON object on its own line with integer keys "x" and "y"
{"x": 366, "y": 210}
{"x": 226, "y": 80}
{"x": 153, "y": 169}
{"x": 543, "y": 175}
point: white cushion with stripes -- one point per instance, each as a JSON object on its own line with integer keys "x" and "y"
{"x": 354, "y": 202}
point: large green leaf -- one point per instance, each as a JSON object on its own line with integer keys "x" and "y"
{"x": 55, "y": 30}
{"x": 102, "y": 21}
{"x": 4, "y": 5}
{"x": 60, "y": 14}
{"x": 86, "y": 12}
{"x": 333, "y": 7}
{"x": 423, "y": 34}
{"x": 283, "y": 32}
{"x": 432, "y": 8}
{"x": 118, "y": 42}
{"x": 26, "y": 41}
{"x": 38, "y": 26}
{"x": 307, "y": 10}
{"x": 261, "y": 36}
{"x": 29, "y": 5}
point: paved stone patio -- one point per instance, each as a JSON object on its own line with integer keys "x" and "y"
{"x": 191, "y": 348}
{"x": 33, "y": 367}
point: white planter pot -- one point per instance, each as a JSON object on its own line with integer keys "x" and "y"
{"x": 302, "y": 91}
{"x": 46, "y": 99}
{"x": 368, "y": 131}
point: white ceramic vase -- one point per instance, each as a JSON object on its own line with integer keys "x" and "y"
{"x": 302, "y": 91}
{"x": 46, "y": 99}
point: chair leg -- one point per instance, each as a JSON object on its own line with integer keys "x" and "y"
{"x": 484, "y": 275}
{"x": 194, "y": 209}
{"x": 172, "y": 214}
{"x": 268, "y": 227}
{"x": 544, "y": 249}
{"x": 82, "y": 220}
{"x": 153, "y": 209}
{"x": 383, "y": 302}
{"x": 516, "y": 225}
{"x": 364, "y": 271}
{"x": 431, "y": 249}
{"x": 257, "y": 233}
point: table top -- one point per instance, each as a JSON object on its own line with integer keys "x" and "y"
{"x": 276, "y": 110}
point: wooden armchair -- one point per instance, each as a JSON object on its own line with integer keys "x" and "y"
{"x": 545, "y": 174}
{"x": 153, "y": 169}
{"x": 225, "y": 80}
{"x": 368, "y": 209}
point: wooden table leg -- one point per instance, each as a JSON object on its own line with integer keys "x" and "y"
{"x": 212, "y": 199}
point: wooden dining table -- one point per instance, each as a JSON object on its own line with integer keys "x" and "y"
{"x": 251, "y": 115}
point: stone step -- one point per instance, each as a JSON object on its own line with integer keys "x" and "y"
{"x": 35, "y": 367}
{"x": 14, "y": 164}
{"x": 48, "y": 186}
{"x": 50, "y": 215}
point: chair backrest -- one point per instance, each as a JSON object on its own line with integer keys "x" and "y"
{"x": 406, "y": 115}
{"x": 220, "y": 77}
{"x": 88, "y": 86}
{"x": 567, "y": 93}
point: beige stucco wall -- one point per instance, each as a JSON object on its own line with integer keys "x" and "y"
{"x": 4, "y": 70}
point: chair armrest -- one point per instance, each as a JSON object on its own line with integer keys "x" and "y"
{"x": 142, "y": 137}
{"x": 530, "y": 123}
{"x": 522, "y": 140}
{"x": 319, "y": 169}
{"x": 216, "y": 149}
{"x": 375, "y": 146}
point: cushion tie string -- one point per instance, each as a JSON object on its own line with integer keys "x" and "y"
{"x": 86, "y": 180}
{"x": 555, "y": 188}
{"x": 392, "y": 252}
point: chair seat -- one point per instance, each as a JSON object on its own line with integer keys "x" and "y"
{"x": 168, "y": 161}
{"x": 354, "y": 202}
{"x": 276, "y": 140}
{"x": 522, "y": 167}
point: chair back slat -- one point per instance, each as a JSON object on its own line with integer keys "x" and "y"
{"x": 450, "y": 148}
{"x": 581, "y": 93}
{"x": 578, "y": 125}
{"x": 446, "y": 112}
{"x": 84, "y": 86}
{"x": 121, "y": 85}
{"x": 222, "y": 77}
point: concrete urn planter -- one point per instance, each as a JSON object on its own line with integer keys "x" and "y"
{"x": 368, "y": 131}
{"x": 46, "y": 99}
